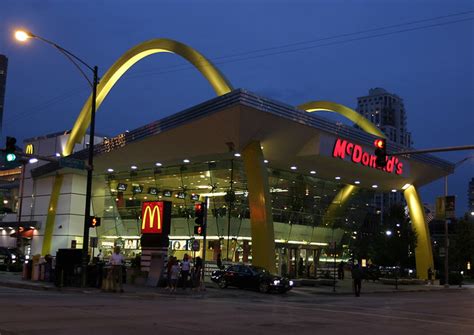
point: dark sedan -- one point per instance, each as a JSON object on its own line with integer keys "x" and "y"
{"x": 253, "y": 277}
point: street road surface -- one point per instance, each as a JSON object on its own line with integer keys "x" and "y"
{"x": 233, "y": 311}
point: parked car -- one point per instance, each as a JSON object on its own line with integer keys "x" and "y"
{"x": 252, "y": 277}
{"x": 11, "y": 258}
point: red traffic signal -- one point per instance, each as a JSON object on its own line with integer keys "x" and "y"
{"x": 380, "y": 152}
{"x": 380, "y": 143}
{"x": 199, "y": 214}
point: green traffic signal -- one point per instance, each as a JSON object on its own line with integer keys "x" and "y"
{"x": 11, "y": 157}
{"x": 10, "y": 148}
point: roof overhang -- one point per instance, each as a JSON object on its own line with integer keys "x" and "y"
{"x": 289, "y": 137}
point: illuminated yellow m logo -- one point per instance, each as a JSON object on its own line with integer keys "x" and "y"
{"x": 148, "y": 218}
{"x": 29, "y": 149}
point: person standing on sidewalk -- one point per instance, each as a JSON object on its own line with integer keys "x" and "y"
{"x": 185, "y": 267}
{"x": 357, "y": 279}
{"x": 115, "y": 274}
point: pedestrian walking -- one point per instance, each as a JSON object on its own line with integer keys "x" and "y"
{"x": 169, "y": 265}
{"x": 185, "y": 268}
{"x": 340, "y": 271}
{"x": 430, "y": 276}
{"x": 115, "y": 273}
{"x": 174, "y": 275}
{"x": 357, "y": 279}
{"x": 197, "y": 273}
{"x": 219, "y": 261}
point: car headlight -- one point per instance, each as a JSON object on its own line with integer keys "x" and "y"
{"x": 291, "y": 282}
{"x": 276, "y": 282}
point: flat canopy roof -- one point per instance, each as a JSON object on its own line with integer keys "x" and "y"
{"x": 289, "y": 137}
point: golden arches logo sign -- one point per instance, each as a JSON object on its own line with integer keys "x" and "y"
{"x": 152, "y": 217}
{"x": 29, "y": 150}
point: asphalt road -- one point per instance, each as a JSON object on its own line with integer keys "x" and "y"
{"x": 233, "y": 311}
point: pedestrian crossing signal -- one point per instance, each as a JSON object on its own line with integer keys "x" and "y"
{"x": 94, "y": 222}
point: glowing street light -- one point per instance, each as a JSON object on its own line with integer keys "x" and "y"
{"x": 22, "y": 36}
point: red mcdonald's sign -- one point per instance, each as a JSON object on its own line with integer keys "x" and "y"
{"x": 343, "y": 148}
{"x": 152, "y": 217}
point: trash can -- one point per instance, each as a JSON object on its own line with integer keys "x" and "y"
{"x": 35, "y": 270}
{"x": 26, "y": 274}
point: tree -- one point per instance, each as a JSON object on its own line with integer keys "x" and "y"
{"x": 461, "y": 250}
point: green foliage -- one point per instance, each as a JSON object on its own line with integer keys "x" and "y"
{"x": 371, "y": 241}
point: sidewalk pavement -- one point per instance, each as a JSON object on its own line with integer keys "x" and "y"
{"x": 343, "y": 287}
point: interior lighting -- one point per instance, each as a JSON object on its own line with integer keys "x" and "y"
{"x": 337, "y": 178}
{"x": 265, "y": 161}
{"x": 375, "y": 186}
{"x": 33, "y": 160}
{"x": 110, "y": 170}
{"x": 237, "y": 154}
{"x": 186, "y": 160}
{"x": 357, "y": 182}
{"x": 312, "y": 172}
{"x": 158, "y": 164}
{"x": 58, "y": 154}
{"x": 394, "y": 191}
{"x": 293, "y": 167}
{"x": 133, "y": 167}
{"x": 406, "y": 186}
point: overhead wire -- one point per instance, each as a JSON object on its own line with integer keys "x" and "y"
{"x": 265, "y": 52}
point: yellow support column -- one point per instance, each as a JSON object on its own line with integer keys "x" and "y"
{"x": 51, "y": 216}
{"x": 261, "y": 219}
{"x": 338, "y": 203}
{"x": 423, "y": 252}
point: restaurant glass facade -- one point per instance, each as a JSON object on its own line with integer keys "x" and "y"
{"x": 304, "y": 237}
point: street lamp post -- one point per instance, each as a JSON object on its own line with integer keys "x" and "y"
{"x": 22, "y": 36}
{"x": 446, "y": 230}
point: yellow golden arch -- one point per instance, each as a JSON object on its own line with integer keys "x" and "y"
{"x": 218, "y": 82}
{"x": 255, "y": 170}
{"x": 150, "y": 215}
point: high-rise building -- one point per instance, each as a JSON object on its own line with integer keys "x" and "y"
{"x": 470, "y": 196}
{"x": 3, "y": 82}
{"x": 387, "y": 111}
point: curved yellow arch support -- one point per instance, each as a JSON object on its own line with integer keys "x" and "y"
{"x": 358, "y": 119}
{"x": 338, "y": 203}
{"x": 423, "y": 251}
{"x": 217, "y": 80}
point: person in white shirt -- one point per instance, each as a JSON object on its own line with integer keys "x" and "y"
{"x": 115, "y": 274}
{"x": 185, "y": 267}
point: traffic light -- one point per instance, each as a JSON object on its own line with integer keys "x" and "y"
{"x": 94, "y": 221}
{"x": 10, "y": 148}
{"x": 199, "y": 214}
{"x": 380, "y": 152}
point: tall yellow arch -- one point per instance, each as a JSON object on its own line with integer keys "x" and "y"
{"x": 217, "y": 80}
{"x": 358, "y": 119}
{"x": 423, "y": 250}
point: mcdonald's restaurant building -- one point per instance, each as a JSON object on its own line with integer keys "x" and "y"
{"x": 280, "y": 184}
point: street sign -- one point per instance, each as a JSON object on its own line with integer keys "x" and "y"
{"x": 450, "y": 205}
{"x": 446, "y": 207}
{"x": 72, "y": 163}
{"x": 195, "y": 245}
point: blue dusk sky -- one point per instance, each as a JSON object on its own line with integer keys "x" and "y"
{"x": 291, "y": 51}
